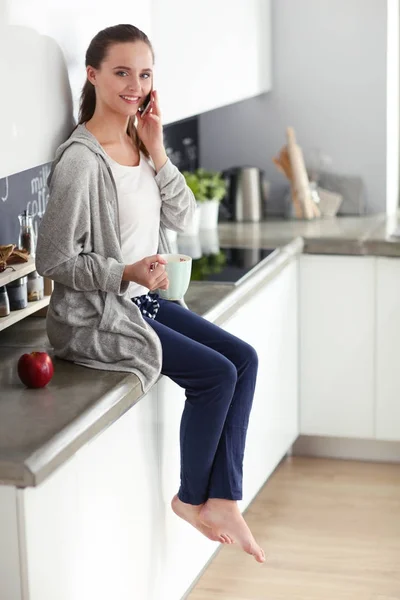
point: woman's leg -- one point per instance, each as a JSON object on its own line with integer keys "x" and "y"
{"x": 227, "y": 472}
{"x": 209, "y": 380}
{"x": 221, "y": 512}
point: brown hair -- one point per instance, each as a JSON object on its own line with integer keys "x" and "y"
{"x": 95, "y": 55}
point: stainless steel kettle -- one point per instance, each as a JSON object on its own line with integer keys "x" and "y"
{"x": 246, "y": 194}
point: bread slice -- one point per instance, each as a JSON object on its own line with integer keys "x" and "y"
{"x": 5, "y": 253}
{"x": 18, "y": 255}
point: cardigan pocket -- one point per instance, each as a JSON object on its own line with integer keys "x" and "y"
{"x": 76, "y": 308}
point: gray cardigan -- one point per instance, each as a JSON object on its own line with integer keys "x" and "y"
{"x": 90, "y": 320}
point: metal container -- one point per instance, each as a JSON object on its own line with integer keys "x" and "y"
{"x": 247, "y": 194}
{"x": 4, "y": 302}
{"x": 18, "y": 293}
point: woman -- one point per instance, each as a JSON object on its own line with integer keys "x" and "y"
{"x": 112, "y": 193}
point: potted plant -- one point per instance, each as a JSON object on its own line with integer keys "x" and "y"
{"x": 208, "y": 187}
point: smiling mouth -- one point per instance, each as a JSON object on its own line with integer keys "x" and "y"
{"x": 131, "y": 99}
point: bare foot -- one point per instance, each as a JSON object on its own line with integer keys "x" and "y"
{"x": 224, "y": 517}
{"x": 190, "y": 513}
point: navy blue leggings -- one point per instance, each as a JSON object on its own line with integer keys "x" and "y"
{"x": 218, "y": 372}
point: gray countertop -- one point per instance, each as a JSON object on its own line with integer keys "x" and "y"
{"x": 369, "y": 235}
{"x": 41, "y": 429}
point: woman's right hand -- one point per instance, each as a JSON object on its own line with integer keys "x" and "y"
{"x": 149, "y": 272}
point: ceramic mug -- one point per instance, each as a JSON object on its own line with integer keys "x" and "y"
{"x": 179, "y": 269}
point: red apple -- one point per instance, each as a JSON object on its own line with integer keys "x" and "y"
{"x": 36, "y": 369}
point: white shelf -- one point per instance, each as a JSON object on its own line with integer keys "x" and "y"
{"x": 18, "y": 315}
{"x": 21, "y": 270}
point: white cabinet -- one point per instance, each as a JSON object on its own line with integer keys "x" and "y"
{"x": 93, "y": 528}
{"x": 10, "y": 556}
{"x": 269, "y": 322}
{"x": 337, "y": 346}
{"x": 387, "y": 349}
{"x": 209, "y": 53}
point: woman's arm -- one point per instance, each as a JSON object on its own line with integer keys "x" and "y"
{"x": 177, "y": 201}
{"x": 64, "y": 246}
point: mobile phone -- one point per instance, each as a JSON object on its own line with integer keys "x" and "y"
{"x": 146, "y": 105}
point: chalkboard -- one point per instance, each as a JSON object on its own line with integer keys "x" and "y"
{"x": 23, "y": 191}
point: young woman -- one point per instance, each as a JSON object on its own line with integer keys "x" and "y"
{"x": 112, "y": 193}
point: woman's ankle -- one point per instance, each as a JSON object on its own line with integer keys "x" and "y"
{"x": 221, "y": 503}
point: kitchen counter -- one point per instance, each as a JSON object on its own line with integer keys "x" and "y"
{"x": 41, "y": 429}
{"x": 369, "y": 235}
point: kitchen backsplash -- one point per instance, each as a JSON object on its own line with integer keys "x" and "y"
{"x": 181, "y": 141}
{"x": 28, "y": 190}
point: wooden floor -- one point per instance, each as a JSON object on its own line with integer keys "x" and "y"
{"x": 330, "y": 529}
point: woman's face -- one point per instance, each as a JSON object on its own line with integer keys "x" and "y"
{"x": 124, "y": 78}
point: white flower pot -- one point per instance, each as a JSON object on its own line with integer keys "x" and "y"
{"x": 193, "y": 227}
{"x": 209, "y": 214}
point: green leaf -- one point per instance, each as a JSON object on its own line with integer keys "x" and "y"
{"x": 206, "y": 185}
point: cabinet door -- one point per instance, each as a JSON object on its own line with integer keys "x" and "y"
{"x": 209, "y": 54}
{"x": 11, "y": 583}
{"x": 387, "y": 349}
{"x": 337, "y": 311}
{"x": 93, "y": 528}
{"x": 118, "y": 507}
{"x": 269, "y": 322}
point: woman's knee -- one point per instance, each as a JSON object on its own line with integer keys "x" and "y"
{"x": 248, "y": 355}
{"x": 252, "y": 356}
{"x": 228, "y": 373}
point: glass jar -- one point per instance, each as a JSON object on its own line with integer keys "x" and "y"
{"x": 4, "y": 302}
{"x": 17, "y": 292}
{"x": 27, "y": 238}
{"x": 35, "y": 287}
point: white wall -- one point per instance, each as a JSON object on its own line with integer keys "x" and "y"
{"x": 329, "y": 83}
{"x": 393, "y": 107}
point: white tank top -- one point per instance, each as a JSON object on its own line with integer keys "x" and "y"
{"x": 139, "y": 202}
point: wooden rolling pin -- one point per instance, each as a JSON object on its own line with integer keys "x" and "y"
{"x": 301, "y": 185}
{"x": 282, "y": 162}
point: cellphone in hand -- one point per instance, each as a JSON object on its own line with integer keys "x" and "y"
{"x": 146, "y": 105}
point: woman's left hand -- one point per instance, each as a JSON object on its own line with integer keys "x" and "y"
{"x": 150, "y": 129}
